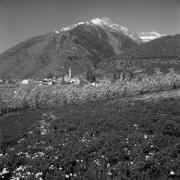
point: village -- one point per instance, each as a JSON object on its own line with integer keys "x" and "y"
{"x": 67, "y": 79}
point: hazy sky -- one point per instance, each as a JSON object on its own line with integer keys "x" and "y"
{"x": 22, "y": 19}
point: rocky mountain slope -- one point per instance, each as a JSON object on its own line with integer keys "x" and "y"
{"x": 81, "y": 46}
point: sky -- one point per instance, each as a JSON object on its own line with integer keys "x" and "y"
{"x": 23, "y": 19}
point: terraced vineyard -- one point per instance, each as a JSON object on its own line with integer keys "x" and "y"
{"x": 118, "y": 139}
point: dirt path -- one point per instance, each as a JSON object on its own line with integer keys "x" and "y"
{"x": 149, "y": 96}
{"x": 158, "y": 95}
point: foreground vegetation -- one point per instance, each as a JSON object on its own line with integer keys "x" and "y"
{"x": 90, "y": 139}
{"x": 100, "y": 140}
{"x": 35, "y": 96}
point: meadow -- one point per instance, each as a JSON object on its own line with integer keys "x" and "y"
{"x": 91, "y": 132}
{"x": 109, "y": 140}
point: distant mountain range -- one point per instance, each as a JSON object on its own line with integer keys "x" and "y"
{"x": 81, "y": 46}
{"x": 149, "y": 36}
{"x": 162, "y": 53}
{"x": 164, "y": 47}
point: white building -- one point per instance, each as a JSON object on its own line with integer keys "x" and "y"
{"x": 25, "y": 81}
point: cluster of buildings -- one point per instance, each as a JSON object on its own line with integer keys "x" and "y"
{"x": 6, "y": 81}
{"x": 67, "y": 79}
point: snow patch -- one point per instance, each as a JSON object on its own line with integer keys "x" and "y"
{"x": 68, "y": 28}
{"x": 149, "y": 36}
{"x": 96, "y": 21}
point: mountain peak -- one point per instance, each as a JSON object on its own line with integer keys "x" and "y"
{"x": 104, "y": 20}
{"x": 106, "y": 24}
{"x": 97, "y": 21}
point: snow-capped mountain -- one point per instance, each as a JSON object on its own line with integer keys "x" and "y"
{"x": 81, "y": 45}
{"x": 108, "y": 25}
{"x": 93, "y": 44}
{"x": 149, "y": 36}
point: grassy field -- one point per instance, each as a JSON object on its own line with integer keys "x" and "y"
{"x": 91, "y": 132}
{"x": 117, "y": 139}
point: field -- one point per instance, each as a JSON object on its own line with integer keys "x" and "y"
{"x": 111, "y": 130}
{"x": 116, "y": 139}
{"x": 33, "y": 96}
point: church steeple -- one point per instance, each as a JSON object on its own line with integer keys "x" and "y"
{"x": 70, "y": 73}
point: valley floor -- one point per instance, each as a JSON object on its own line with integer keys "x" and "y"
{"x": 128, "y": 138}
